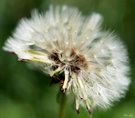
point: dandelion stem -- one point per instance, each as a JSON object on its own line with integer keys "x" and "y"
{"x": 62, "y": 105}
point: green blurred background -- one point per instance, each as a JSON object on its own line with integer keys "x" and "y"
{"x": 25, "y": 93}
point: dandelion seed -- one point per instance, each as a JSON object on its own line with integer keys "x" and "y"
{"x": 75, "y": 52}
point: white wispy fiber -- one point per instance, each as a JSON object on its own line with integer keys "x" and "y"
{"x": 89, "y": 63}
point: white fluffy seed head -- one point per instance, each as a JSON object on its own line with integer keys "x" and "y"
{"x": 63, "y": 42}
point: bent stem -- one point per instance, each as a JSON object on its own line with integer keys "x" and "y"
{"x": 62, "y": 105}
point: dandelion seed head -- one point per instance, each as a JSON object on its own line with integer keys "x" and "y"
{"x": 86, "y": 61}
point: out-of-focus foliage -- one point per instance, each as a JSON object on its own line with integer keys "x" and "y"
{"x": 26, "y": 93}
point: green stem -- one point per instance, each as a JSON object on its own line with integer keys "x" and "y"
{"x": 62, "y": 105}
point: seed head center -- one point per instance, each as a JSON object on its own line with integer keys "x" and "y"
{"x": 73, "y": 60}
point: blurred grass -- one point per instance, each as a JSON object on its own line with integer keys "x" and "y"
{"x": 25, "y": 93}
